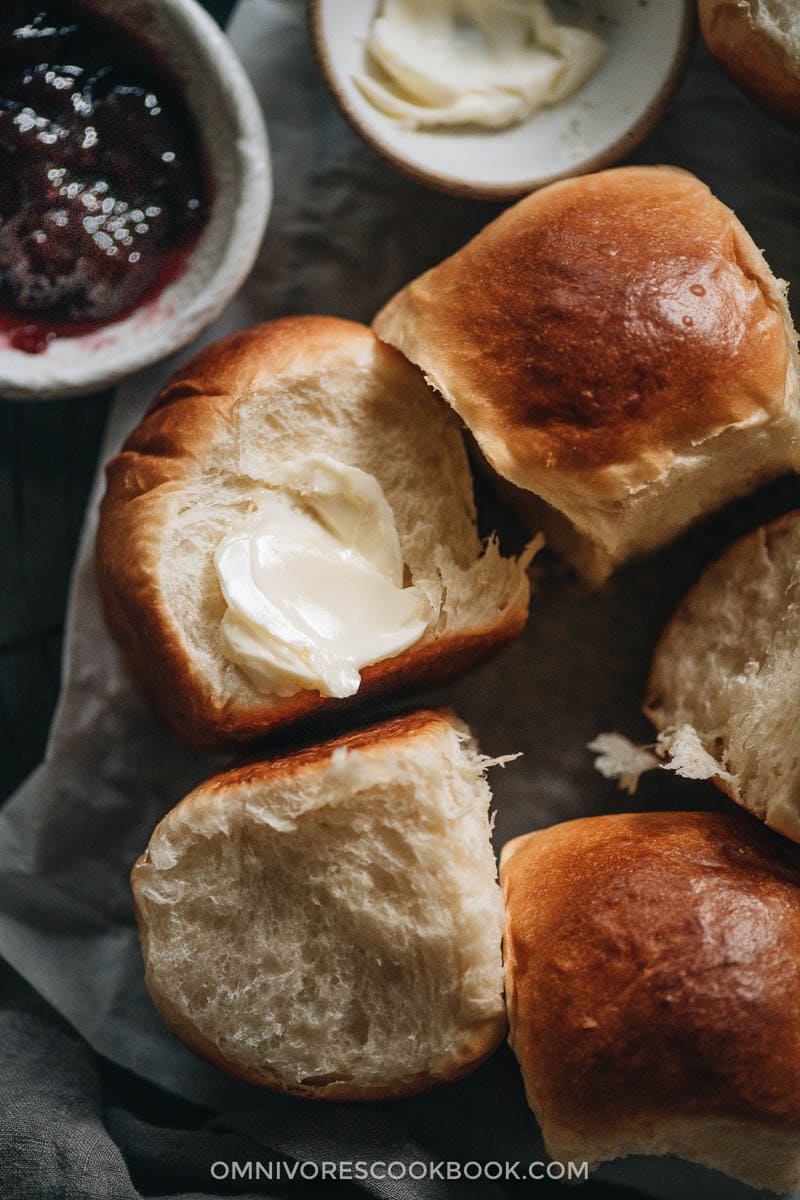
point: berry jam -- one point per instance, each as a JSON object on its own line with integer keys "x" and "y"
{"x": 101, "y": 181}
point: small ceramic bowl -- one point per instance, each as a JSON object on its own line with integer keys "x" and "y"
{"x": 648, "y": 48}
{"x": 233, "y": 137}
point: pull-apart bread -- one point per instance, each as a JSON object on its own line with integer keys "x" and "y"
{"x": 291, "y": 524}
{"x": 328, "y": 924}
{"x": 724, "y": 689}
{"x": 758, "y": 43}
{"x": 620, "y": 351}
{"x": 652, "y": 967}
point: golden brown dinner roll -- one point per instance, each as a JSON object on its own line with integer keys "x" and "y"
{"x": 723, "y": 690}
{"x": 758, "y": 43}
{"x": 620, "y": 351}
{"x": 652, "y": 965}
{"x": 293, "y": 524}
{"x": 328, "y": 924}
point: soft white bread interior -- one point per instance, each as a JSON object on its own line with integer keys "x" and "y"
{"x": 302, "y": 386}
{"x": 328, "y": 924}
{"x": 758, "y": 42}
{"x": 622, "y": 354}
{"x": 652, "y": 968}
{"x": 725, "y": 679}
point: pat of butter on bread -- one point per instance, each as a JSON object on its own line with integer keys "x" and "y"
{"x": 221, "y": 436}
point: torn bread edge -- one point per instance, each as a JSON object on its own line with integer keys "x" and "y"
{"x": 680, "y": 749}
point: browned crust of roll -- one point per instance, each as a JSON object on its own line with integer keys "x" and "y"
{"x": 756, "y": 61}
{"x": 600, "y": 325}
{"x": 376, "y": 738}
{"x": 653, "y": 974}
{"x": 157, "y": 457}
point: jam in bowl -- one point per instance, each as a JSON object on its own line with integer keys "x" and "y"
{"x": 103, "y": 191}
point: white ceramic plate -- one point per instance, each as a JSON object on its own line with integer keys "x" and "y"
{"x": 232, "y": 132}
{"x": 648, "y": 42}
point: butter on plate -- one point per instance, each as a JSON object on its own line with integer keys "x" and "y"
{"x": 474, "y": 62}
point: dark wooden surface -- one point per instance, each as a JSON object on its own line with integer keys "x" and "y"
{"x": 48, "y": 452}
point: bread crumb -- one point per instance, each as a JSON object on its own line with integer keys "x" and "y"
{"x": 621, "y": 759}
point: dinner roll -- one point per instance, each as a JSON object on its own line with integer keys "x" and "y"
{"x": 620, "y": 351}
{"x": 723, "y": 687}
{"x": 758, "y": 43}
{"x": 328, "y": 924}
{"x": 214, "y": 452}
{"x": 652, "y": 965}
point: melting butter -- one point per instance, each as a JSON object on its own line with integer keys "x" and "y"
{"x": 313, "y": 581}
{"x": 483, "y": 62}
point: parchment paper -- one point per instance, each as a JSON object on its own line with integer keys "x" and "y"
{"x": 345, "y": 232}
